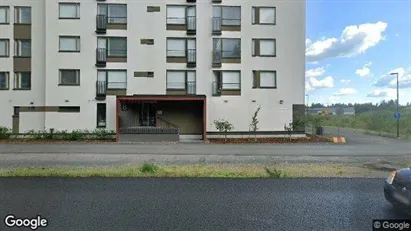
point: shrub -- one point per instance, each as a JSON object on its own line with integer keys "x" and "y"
{"x": 5, "y": 133}
{"x": 149, "y": 168}
{"x": 76, "y": 135}
{"x": 254, "y": 122}
{"x": 274, "y": 173}
{"x": 101, "y": 134}
{"x": 223, "y": 126}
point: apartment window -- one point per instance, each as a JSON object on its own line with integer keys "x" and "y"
{"x": 22, "y": 48}
{"x": 69, "y": 44}
{"x": 115, "y": 79}
{"x": 264, "y": 47}
{"x": 263, "y": 15}
{"x": 176, "y": 47}
{"x": 116, "y": 13}
{"x": 22, "y": 15}
{"x": 4, "y": 48}
{"x": 115, "y": 46}
{"x": 101, "y": 115}
{"x": 231, "y": 80}
{"x": 176, "y": 15}
{"x": 69, "y": 10}
{"x": 74, "y": 109}
{"x": 264, "y": 79}
{"x": 181, "y": 80}
{"x": 22, "y": 81}
{"x": 69, "y": 77}
{"x": 4, "y": 80}
{"x": 229, "y": 15}
{"x": 4, "y": 15}
{"x": 230, "y": 48}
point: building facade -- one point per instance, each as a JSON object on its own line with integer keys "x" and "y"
{"x": 127, "y": 64}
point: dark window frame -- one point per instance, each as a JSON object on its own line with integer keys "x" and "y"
{"x": 16, "y": 75}
{"x": 107, "y": 38}
{"x": 77, "y": 73}
{"x": 70, "y": 3}
{"x": 186, "y": 6}
{"x": 221, "y": 47}
{"x": 186, "y": 82}
{"x": 17, "y": 48}
{"x": 263, "y": 39}
{"x": 221, "y": 79}
{"x": 78, "y": 43}
{"x": 7, "y": 75}
{"x": 103, "y": 105}
{"x": 257, "y": 84}
{"x": 255, "y": 15}
{"x": 69, "y": 109}
{"x": 7, "y": 15}
{"x": 222, "y": 16}
{"x": 7, "y": 47}
{"x": 17, "y": 14}
{"x": 106, "y": 71}
{"x": 106, "y": 5}
{"x": 185, "y": 46}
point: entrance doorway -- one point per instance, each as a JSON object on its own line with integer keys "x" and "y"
{"x": 147, "y": 114}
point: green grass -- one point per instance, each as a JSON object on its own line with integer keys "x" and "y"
{"x": 197, "y": 171}
{"x": 382, "y": 122}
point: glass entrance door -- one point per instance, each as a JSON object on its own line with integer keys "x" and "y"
{"x": 147, "y": 116}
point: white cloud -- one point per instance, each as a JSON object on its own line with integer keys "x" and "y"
{"x": 327, "y": 82}
{"x": 354, "y": 40}
{"x": 307, "y": 41}
{"x": 364, "y": 71}
{"x": 383, "y": 93}
{"x": 345, "y": 81}
{"x": 390, "y": 81}
{"x": 308, "y": 87}
{"x": 316, "y": 72}
{"x": 345, "y": 91}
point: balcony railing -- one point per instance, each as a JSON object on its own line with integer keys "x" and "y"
{"x": 216, "y": 88}
{"x": 191, "y": 56}
{"x": 101, "y": 56}
{"x": 191, "y": 24}
{"x": 217, "y": 56}
{"x": 216, "y": 26}
{"x": 101, "y": 89}
{"x": 101, "y": 23}
{"x": 191, "y": 88}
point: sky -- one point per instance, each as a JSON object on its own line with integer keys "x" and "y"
{"x": 352, "y": 46}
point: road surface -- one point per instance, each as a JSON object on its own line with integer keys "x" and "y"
{"x": 197, "y": 204}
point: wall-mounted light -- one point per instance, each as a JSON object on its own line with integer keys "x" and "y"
{"x": 253, "y": 101}
{"x": 66, "y": 101}
{"x": 31, "y": 103}
{"x": 225, "y": 101}
{"x": 281, "y": 101}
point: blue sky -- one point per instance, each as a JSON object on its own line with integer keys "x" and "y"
{"x": 351, "y": 48}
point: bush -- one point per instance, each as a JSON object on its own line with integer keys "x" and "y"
{"x": 5, "y": 133}
{"x": 102, "y": 134}
{"x": 223, "y": 126}
{"x": 274, "y": 173}
{"x": 77, "y": 135}
{"x": 148, "y": 168}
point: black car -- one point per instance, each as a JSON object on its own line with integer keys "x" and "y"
{"x": 397, "y": 189}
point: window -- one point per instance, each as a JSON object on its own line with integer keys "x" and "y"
{"x": 69, "y": 44}
{"x": 22, "y": 48}
{"x": 69, "y": 10}
{"x": 231, "y": 80}
{"x": 69, "y": 109}
{"x": 101, "y": 115}
{"x": 69, "y": 77}
{"x": 264, "y": 79}
{"x": 4, "y": 80}
{"x": 230, "y": 15}
{"x": 22, "y": 81}
{"x": 4, "y": 15}
{"x": 116, "y": 46}
{"x": 181, "y": 80}
{"x": 22, "y": 15}
{"x": 230, "y": 48}
{"x": 114, "y": 79}
{"x": 4, "y": 48}
{"x": 263, "y": 15}
{"x": 176, "y": 15}
{"x": 116, "y": 13}
{"x": 264, "y": 47}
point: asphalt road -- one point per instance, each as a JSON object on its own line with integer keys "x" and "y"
{"x": 197, "y": 204}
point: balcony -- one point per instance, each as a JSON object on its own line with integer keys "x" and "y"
{"x": 101, "y": 24}
{"x": 217, "y": 58}
{"x": 191, "y": 23}
{"x": 191, "y": 88}
{"x": 101, "y": 57}
{"x": 191, "y": 58}
{"x": 216, "y": 26}
{"x": 101, "y": 90}
{"x": 216, "y": 89}
{"x": 181, "y": 88}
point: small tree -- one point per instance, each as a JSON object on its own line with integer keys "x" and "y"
{"x": 289, "y": 129}
{"x": 254, "y": 123}
{"x": 223, "y": 126}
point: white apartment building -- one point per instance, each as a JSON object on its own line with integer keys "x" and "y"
{"x": 144, "y": 67}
